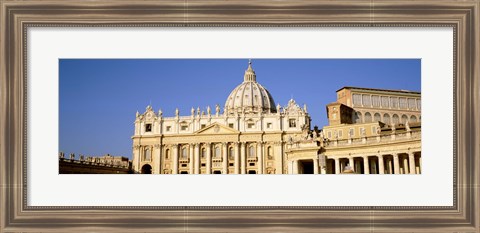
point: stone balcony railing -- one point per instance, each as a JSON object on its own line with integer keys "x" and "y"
{"x": 379, "y": 139}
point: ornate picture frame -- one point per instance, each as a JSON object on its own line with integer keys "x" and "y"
{"x": 17, "y": 16}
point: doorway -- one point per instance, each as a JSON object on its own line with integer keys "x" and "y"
{"x": 147, "y": 169}
{"x": 305, "y": 167}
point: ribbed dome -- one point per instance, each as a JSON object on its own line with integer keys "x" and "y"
{"x": 250, "y": 96}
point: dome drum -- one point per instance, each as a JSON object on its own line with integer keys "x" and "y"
{"x": 250, "y": 96}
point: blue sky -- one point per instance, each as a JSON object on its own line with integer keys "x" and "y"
{"x": 99, "y": 97}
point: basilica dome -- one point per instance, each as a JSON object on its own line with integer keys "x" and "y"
{"x": 250, "y": 96}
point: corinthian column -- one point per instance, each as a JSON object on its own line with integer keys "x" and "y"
{"x": 243, "y": 146}
{"x": 175, "y": 159}
{"x": 209, "y": 158}
{"x": 224, "y": 159}
{"x": 237, "y": 158}
{"x": 196, "y": 161}
{"x": 191, "y": 162}
{"x": 260, "y": 157}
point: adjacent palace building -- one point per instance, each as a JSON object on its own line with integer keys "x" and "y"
{"x": 370, "y": 131}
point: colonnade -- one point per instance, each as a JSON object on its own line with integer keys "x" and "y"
{"x": 394, "y": 163}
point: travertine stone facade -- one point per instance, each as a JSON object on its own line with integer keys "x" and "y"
{"x": 252, "y": 135}
{"x": 248, "y": 137}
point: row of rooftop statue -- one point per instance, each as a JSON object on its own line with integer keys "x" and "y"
{"x": 209, "y": 111}
{"x": 105, "y": 160}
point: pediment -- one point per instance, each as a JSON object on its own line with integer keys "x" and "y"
{"x": 216, "y": 128}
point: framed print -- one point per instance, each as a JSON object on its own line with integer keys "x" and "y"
{"x": 235, "y": 88}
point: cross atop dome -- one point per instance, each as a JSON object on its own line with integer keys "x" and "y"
{"x": 250, "y": 75}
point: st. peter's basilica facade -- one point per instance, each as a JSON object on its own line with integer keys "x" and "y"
{"x": 370, "y": 131}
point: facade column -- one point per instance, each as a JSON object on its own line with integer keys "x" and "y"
{"x": 237, "y": 158}
{"x": 405, "y": 165}
{"x": 381, "y": 167}
{"x": 196, "y": 161}
{"x": 191, "y": 160}
{"x": 411, "y": 160}
{"x": 209, "y": 159}
{"x": 351, "y": 163}
{"x": 224, "y": 159}
{"x": 366, "y": 165}
{"x": 337, "y": 166}
{"x": 396, "y": 164}
{"x": 175, "y": 159}
{"x": 260, "y": 157}
{"x": 243, "y": 146}
{"x": 420, "y": 164}
{"x": 157, "y": 158}
{"x": 295, "y": 166}
{"x": 315, "y": 166}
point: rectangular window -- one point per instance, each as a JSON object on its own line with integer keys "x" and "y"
{"x": 376, "y": 101}
{"x": 357, "y": 99}
{"x": 394, "y": 102}
{"x": 184, "y": 165}
{"x": 202, "y": 126}
{"x": 374, "y": 130}
{"x": 351, "y": 132}
{"x": 366, "y": 100}
{"x": 250, "y": 125}
{"x": 148, "y": 128}
{"x": 385, "y": 102}
{"x": 203, "y": 164}
{"x": 411, "y": 103}
{"x": 329, "y": 134}
{"x": 362, "y": 131}
{"x": 184, "y": 127}
{"x": 168, "y": 128}
{"x": 340, "y": 133}
{"x": 419, "y": 104}
{"x": 402, "y": 103}
{"x": 230, "y": 125}
{"x": 269, "y": 125}
{"x": 292, "y": 123}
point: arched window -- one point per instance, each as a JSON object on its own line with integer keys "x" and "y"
{"x": 386, "y": 118}
{"x": 218, "y": 154}
{"x": 358, "y": 117}
{"x": 413, "y": 119}
{"x": 204, "y": 153}
{"x": 270, "y": 152}
{"x": 231, "y": 154}
{"x": 251, "y": 151}
{"x": 167, "y": 154}
{"x": 184, "y": 152}
{"x": 377, "y": 117}
{"x": 148, "y": 154}
{"x": 368, "y": 117}
{"x": 404, "y": 119}
{"x": 395, "y": 118}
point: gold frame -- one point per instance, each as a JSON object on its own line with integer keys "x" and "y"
{"x": 16, "y": 16}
